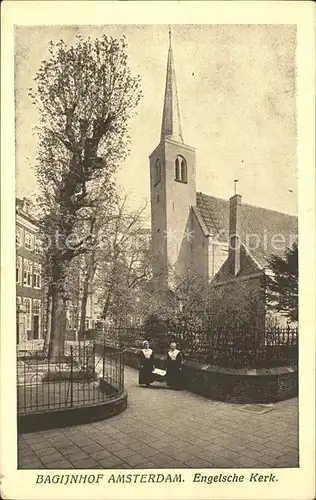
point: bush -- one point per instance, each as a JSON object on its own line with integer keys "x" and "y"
{"x": 155, "y": 326}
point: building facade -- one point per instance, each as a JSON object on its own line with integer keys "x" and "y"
{"x": 219, "y": 239}
{"x": 29, "y": 293}
{"x": 181, "y": 236}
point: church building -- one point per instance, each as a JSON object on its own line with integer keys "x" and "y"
{"x": 221, "y": 240}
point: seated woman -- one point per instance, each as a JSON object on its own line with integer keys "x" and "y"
{"x": 146, "y": 365}
{"x": 174, "y": 369}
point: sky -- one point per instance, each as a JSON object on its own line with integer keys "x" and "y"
{"x": 237, "y": 93}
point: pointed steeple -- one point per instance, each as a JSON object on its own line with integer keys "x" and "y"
{"x": 171, "y": 126}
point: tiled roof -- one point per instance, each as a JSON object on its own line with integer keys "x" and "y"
{"x": 247, "y": 267}
{"x": 258, "y": 226}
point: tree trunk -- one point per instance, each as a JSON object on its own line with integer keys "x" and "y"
{"x": 106, "y": 306}
{"x": 84, "y": 300}
{"x": 48, "y": 321}
{"x": 58, "y": 324}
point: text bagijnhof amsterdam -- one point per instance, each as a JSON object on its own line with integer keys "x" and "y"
{"x": 113, "y": 478}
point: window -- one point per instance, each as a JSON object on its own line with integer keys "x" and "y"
{"x": 177, "y": 170}
{"x": 36, "y": 307}
{"x": 183, "y": 171}
{"x": 18, "y": 303}
{"x": 180, "y": 169}
{"x": 28, "y": 312}
{"x": 157, "y": 171}
{"x": 284, "y": 297}
{"x": 157, "y": 198}
{"x": 29, "y": 241}
{"x": 27, "y": 272}
{"x": 18, "y": 275}
{"x": 37, "y": 276}
{"x": 37, "y": 245}
{"x": 18, "y": 236}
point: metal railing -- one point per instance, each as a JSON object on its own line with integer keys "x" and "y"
{"x": 84, "y": 375}
{"x": 235, "y": 348}
{"x": 241, "y": 348}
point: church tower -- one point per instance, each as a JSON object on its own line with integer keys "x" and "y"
{"x": 173, "y": 191}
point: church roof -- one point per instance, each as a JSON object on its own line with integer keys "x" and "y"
{"x": 260, "y": 228}
{"x": 171, "y": 125}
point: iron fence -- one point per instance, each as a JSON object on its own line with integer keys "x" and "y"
{"x": 235, "y": 348}
{"x": 86, "y": 374}
{"x": 241, "y": 348}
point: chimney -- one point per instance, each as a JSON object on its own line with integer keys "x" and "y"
{"x": 234, "y": 233}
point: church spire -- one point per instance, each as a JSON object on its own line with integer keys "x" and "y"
{"x": 171, "y": 126}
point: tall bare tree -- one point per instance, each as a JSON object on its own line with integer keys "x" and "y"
{"x": 85, "y": 95}
{"x": 124, "y": 266}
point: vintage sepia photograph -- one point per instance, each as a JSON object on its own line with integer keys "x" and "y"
{"x": 156, "y": 247}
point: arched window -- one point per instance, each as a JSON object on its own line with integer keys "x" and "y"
{"x": 183, "y": 171}
{"x": 157, "y": 171}
{"x": 177, "y": 170}
{"x": 180, "y": 169}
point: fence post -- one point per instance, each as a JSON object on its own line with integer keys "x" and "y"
{"x": 93, "y": 365}
{"x": 103, "y": 359}
{"x": 85, "y": 361}
{"x": 245, "y": 349}
{"x": 122, "y": 366}
{"x": 71, "y": 375}
{"x": 36, "y": 382}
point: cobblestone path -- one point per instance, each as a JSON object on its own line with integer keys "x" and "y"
{"x": 166, "y": 429}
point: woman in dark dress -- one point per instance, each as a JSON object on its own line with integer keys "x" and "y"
{"x": 174, "y": 368}
{"x": 146, "y": 365}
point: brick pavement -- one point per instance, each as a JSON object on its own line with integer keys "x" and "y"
{"x": 166, "y": 429}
